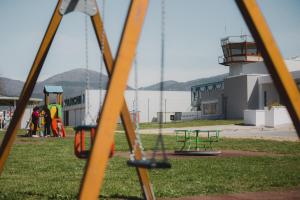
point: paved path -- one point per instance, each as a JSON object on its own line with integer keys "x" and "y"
{"x": 283, "y": 133}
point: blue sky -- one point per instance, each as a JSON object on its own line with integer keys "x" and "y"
{"x": 193, "y": 32}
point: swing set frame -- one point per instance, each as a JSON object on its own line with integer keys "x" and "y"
{"x": 118, "y": 71}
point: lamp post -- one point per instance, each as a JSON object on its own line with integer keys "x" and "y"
{"x": 165, "y": 110}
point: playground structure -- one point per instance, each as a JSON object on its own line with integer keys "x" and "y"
{"x": 118, "y": 71}
{"x": 57, "y": 125}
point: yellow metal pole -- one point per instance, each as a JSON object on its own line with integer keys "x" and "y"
{"x": 94, "y": 174}
{"x": 283, "y": 80}
{"x": 28, "y": 87}
{"x": 125, "y": 114}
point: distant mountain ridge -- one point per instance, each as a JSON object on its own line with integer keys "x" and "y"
{"x": 74, "y": 82}
{"x": 185, "y": 86}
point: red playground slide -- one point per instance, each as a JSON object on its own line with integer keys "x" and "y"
{"x": 58, "y": 128}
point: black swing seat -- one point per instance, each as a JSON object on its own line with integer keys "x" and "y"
{"x": 149, "y": 164}
{"x": 85, "y": 127}
{"x": 84, "y": 154}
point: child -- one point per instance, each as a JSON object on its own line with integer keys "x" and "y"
{"x": 35, "y": 120}
{"x": 47, "y": 121}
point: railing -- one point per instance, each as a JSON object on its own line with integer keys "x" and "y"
{"x": 236, "y": 39}
{"x": 239, "y": 58}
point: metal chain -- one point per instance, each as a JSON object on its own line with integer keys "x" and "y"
{"x": 162, "y": 71}
{"x": 87, "y": 86}
{"x": 138, "y": 141}
{"x": 102, "y": 53}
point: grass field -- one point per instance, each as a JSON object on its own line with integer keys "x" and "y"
{"x": 46, "y": 168}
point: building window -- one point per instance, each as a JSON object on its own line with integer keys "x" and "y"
{"x": 194, "y": 96}
{"x": 265, "y": 98}
{"x": 210, "y": 108}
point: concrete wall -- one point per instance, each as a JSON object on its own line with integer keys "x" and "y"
{"x": 252, "y": 92}
{"x": 163, "y": 117}
{"x": 235, "y": 90}
{"x": 241, "y": 93}
{"x": 271, "y": 94}
{"x": 277, "y": 116}
{"x": 235, "y": 69}
{"x": 254, "y": 117}
{"x": 255, "y": 68}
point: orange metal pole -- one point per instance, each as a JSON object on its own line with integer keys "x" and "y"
{"x": 125, "y": 114}
{"x": 82, "y": 140}
{"x": 11, "y": 132}
{"x": 283, "y": 80}
{"x": 77, "y": 148}
{"x": 92, "y": 136}
{"x": 94, "y": 174}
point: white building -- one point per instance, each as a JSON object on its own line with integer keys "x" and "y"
{"x": 83, "y": 108}
{"x": 8, "y": 106}
{"x": 248, "y": 86}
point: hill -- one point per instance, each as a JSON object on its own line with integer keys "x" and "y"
{"x": 73, "y": 82}
{"x": 185, "y": 86}
{"x": 10, "y": 87}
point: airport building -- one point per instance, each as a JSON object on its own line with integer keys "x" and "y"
{"x": 248, "y": 85}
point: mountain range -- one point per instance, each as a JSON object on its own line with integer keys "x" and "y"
{"x": 74, "y": 81}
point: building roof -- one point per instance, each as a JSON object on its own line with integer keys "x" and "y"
{"x": 11, "y": 101}
{"x": 53, "y": 89}
{"x": 268, "y": 79}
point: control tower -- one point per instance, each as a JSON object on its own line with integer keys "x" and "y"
{"x": 238, "y": 51}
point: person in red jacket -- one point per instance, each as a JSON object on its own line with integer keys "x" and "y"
{"x": 35, "y": 120}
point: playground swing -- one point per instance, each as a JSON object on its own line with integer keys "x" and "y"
{"x": 80, "y": 131}
{"x": 151, "y": 163}
{"x": 119, "y": 68}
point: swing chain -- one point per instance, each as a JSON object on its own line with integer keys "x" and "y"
{"x": 152, "y": 162}
{"x": 162, "y": 71}
{"x": 137, "y": 142}
{"x": 102, "y": 54}
{"x": 87, "y": 86}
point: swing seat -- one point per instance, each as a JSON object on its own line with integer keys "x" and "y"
{"x": 85, "y": 127}
{"x": 79, "y": 142}
{"x": 83, "y": 154}
{"x": 149, "y": 164}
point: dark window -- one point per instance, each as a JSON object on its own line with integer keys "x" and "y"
{"x": 210, "y": 108}
{"x": 66, "y": 118}
{"x": 265, "y": 98}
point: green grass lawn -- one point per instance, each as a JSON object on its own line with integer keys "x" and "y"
{"x": 46, "y": 168}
